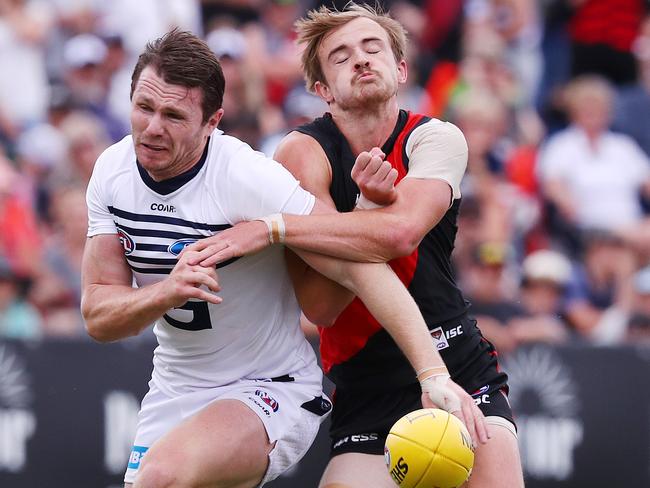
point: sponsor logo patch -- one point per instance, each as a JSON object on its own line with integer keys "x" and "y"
{"x": 268, "y": 399}
{"x": 482, "y": 389}
{"x": 127, "y": 242}
{"x": 177, "y": 247}
{"x": 137, "y": 453}
{"x": 439, "y": 339}
{"x": 366, "y": 437}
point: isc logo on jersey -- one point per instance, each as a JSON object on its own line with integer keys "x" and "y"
{"x": 177, "y": 247}
{"x": 127, "y": 242}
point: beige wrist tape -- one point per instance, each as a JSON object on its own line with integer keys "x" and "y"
{"x": 431, "y": 371}
{"x": 437, "y": 388}
{"x": 275, "y": 224}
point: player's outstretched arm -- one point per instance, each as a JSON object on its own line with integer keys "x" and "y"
{"x": 113, "y": 309}
{"x": 391, "y": 304}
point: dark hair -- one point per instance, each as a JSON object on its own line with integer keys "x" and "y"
{"x": 181, "y": 58}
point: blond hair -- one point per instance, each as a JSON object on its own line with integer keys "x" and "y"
{"x": 318, "y": 23}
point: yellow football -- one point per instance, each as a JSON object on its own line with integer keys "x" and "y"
{"x": 429, "y": 448}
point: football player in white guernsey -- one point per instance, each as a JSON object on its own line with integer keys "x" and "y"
{"x": 235, "y": 396}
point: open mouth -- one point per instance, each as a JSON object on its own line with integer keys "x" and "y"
{"x": 152, "y": 147}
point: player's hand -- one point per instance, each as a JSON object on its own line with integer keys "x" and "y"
{"x": 240, "y": 240}
{"x": 441, "y": 392}
{"x": 375, "y": 177}
{"x": 191, "y": 281}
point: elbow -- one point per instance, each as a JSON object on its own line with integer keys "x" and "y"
{"x": 96, "y": 330}
{"x": 94, "y": 327}
{"x": 402, "y": 240}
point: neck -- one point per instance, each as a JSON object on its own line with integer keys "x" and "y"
{"x": 366, "y": 127}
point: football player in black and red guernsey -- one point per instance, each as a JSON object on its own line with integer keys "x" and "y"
{"x": 394, "y": 177}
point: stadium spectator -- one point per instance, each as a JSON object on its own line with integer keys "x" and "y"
{"x": 632, "y": 109}
{"x": 602, "y": 33}
{"x": 592, "y": 177}
{"x": 638, "y": 325}
{"x": 599, "y": 293}
{"x": 545, "y": 275}
{"x": 534, "y": 313}
{"x": 24, "y": 28}
{"x": 18, "y": 318}
{"x": 20, "y": 239}
{"x": 492, "y": 291}
{"x": 57, "y": 289}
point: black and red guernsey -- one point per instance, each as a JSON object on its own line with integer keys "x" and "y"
{"x": 356, "y": 351}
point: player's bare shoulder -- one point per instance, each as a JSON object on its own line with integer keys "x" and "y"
{"x": 305, "y": 158}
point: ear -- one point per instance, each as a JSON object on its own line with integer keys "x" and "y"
{"x": 402, "y": 72}
{"x": 214, "y": 120}
{"x": 323, "y": 91}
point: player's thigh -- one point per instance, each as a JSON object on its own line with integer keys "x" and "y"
{"x": 497, "y": 463}
{"x": 224, "y": 444}
{"x": 356, "y": 470}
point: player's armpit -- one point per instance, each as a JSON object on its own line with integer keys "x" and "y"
{"x": 321, "y": 299}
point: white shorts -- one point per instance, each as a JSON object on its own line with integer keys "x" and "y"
{"x": 291, "y": 412}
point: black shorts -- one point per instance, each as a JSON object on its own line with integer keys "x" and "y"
{"x": 362, "y": 419}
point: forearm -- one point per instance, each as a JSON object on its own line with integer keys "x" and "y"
{"x": 113, "y": 312}
{"x": 388, "y": 301}
{"x": 365, "y": 236}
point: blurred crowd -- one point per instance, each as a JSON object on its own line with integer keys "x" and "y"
{"x": 553, "y": 97}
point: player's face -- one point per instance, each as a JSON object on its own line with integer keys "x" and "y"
{"x": 167, "y": 124}
{"x": 359, "y": 66}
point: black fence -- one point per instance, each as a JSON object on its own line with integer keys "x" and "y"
{"x": 68, "y": 411}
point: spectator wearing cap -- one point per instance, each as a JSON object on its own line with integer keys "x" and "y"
{"x": 544, "y": 277}
{"x": 532, "y": 316}
{"x": 492, "y": 292}
{"x": 89, "y": 80}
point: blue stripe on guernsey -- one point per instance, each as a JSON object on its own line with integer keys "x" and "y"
{"x": 166, "y": 270}
{"x": 158, "y": 233}
{"x": 163, "y": 261}
{"x": 137, "y": 453}
{"x": 165, "y": 220}
{"x": 152, "y": 247}
{"x": 161, "y": 271}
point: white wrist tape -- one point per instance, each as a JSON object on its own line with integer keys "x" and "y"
{"x": 275, "y": 224}
{"x": 437, "y": 387}
{"x": 364, "y": 204}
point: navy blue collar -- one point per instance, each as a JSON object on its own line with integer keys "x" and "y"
{"x": 165, "y": 187}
